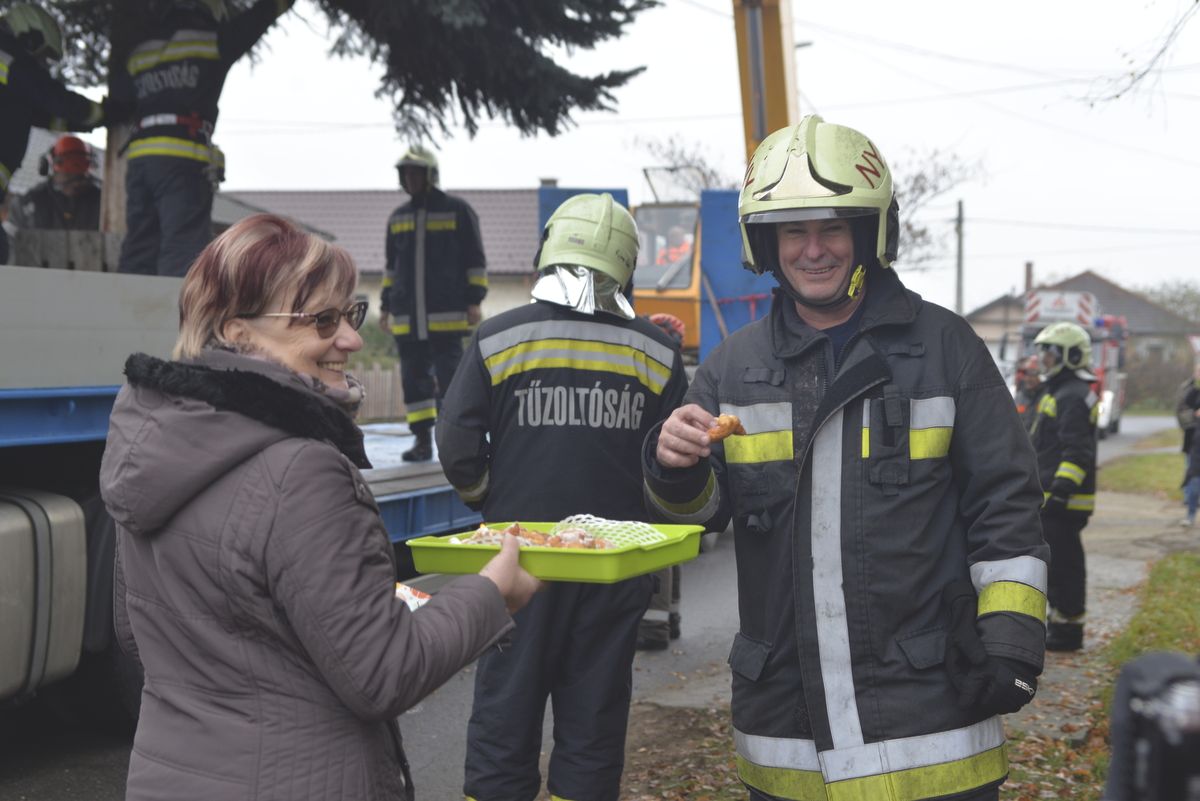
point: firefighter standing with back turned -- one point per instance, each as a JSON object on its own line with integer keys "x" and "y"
{"x": 891, "y": 569}
{"x": 169, "y": 91}
{"x": 1064, "y": 436}
{"x": 545, "y": 419}
{"x": 436, "y": 278}
{"x": 29, "y": 40}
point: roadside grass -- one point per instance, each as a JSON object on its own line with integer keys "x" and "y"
{"x": 1075, "y": 766}
{"x": 1167, "y": 438}
{"x": 1156, "y": 474}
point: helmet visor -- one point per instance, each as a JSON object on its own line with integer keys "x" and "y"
{"x": 799, "y": 215}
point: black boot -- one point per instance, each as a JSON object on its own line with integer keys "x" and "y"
{"x": 1064, "y": 637}
{"x": 422, "y": 451}
{"x": 673, "y": 623}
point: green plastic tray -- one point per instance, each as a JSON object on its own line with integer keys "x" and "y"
{"x": 439, "y": 555}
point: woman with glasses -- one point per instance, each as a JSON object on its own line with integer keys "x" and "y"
{"x": 255, "y": 580}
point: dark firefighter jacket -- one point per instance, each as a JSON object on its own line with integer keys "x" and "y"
{"x": 1064, "y": 436}
{"x": 548, "y": 410}
{"x": 29, "y": 96}
{"x": 435, "y": 266}
{"x": 179, "y": 72}
{"x": 857, "y": 495}
{"x": 46, "y": 207}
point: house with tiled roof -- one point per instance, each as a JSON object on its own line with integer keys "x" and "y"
{"x": 356, "y": 219}
{"x": 1155, "y": 333}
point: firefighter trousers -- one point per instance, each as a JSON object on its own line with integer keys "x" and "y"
{"x": 426, "y": 367}
{"x": 573, "y": 643}
{"x": 168, "y": 215}
{"x": 1068, "y": 573}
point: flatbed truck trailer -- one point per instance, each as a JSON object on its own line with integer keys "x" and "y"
{"x": 64, "y": 338}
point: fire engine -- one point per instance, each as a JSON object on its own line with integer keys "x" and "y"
{"x": 1109, "y": 333}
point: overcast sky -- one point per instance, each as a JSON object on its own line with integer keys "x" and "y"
{"x": 1112, "y": 186}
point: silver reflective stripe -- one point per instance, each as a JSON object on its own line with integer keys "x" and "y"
{"x": 777, "y": 752}
{"x": 889, "y": 756}
{"x": 932, "y": 413}
{"x": 833, "y": 633}
{"x": 672, "y": 512}
{"x": 582, "y": 330}
{"x": 476, "y": 492}
{"x": 870, "y": 759}
{"x": 758, "y": 418}
{"x": 447, "y": 317}
{"x": 1024, "y": 569}
{"x": 419, "y": 275}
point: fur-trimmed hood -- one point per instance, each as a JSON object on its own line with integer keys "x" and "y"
{"x": 177, "y": 427}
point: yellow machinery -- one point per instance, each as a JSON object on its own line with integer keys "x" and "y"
{"x": 668, "y": 277}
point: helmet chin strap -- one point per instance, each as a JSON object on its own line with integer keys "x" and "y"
{"x": 851, "y": 289}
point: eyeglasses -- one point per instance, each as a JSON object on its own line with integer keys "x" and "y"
{"x": 326, "y": 321}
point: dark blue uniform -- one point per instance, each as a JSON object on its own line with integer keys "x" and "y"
{"x": 172, "y": 83}
{"x": 544, "y": 419}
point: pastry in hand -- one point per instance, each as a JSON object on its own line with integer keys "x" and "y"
{"x": 726, "y": 425}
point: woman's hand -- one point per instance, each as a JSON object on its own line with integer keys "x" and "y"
{"x": 505, "y": 571}
{"x": 683, "y": 439}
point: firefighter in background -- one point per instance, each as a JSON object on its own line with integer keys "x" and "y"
{"x": 891, "y": 569}
{"x": 1064, "y": 436}
{"x": 69, "y": 200}
{"x": 545, "y": 419}
{"x": 30, "y": 39}
{"x": 169, "y": 91}
{"x": 435, "y": 282}
{"x": 678, "y": 246}
{"x": 1029, "y": 389}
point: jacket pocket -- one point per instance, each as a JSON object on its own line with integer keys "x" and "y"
{"x": 924, "y": 649}
{"x": 748, "y": 657}
{"x": 885, "y": 446}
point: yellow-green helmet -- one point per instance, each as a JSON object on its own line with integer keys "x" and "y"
{"x": 36, "y": 30}
{"x": 592, "y": 231}
{"x": 417, "y": 156}
{"x": 816, "y": 170}
{"x": 1072, "y": 344}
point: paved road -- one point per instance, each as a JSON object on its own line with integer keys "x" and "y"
{"x": 48, "y": 761}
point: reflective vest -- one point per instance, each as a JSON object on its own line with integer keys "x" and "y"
{"x": 856, "y": 496}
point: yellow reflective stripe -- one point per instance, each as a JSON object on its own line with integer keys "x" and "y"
{"x": 1012, "y": 596}
{"x": 866, "y": 430}
{"x": 1082, "y": 502}
{"x": 5, "y": 177}
{"x": 3, "y": 72}
{"x": 477, "y": 280}
{"x": 1071, "y": 471}
{"x": 1048, "y": 406}
{"x": 421, "y": 414}
{"x": 929, "y": 443}
{"x": 930, "y": 427}
{"x": 172, "y": 146}
{"x": 149, "y": 57}
{"x": 573, "y": 354}
{"x": 387, "y": 281}
{"x": 401, "y": 328}
{"x": 687, "y": 511}
{"x": 441, "y": 225}
{"x": 770, "y": 446}
{"x": 913, "y": 784}
{"x": 449, "y": 325}
{"x": 401, "y": 226}
{"x": 803, "y": 785}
